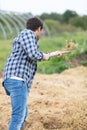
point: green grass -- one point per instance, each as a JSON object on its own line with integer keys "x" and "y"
{"x": 55, "y": 65}
{"x": 84, "y": 62}
{"x": 5, "y": 49}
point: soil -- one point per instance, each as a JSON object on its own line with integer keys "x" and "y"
{"x": 56, "y": 102}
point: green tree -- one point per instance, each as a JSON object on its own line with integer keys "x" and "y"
{"x": 68, "y": 14}
{"x": 52, "y": 16}
{"x": 52, "y": 25}
{"x": 79, "y": 22}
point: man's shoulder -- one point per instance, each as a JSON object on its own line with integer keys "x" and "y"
{"x": 27, "y": 31}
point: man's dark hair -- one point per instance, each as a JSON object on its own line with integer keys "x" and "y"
{"x": 34, "y": 23}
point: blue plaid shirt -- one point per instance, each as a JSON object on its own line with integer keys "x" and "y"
{"x": 22, "y": 61}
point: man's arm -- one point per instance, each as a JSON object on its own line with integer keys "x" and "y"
{"x": 52, "y": 54}
{"x": 29, "y": 44}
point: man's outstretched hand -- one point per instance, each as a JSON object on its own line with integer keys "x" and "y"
{"x": 52, "y": 54}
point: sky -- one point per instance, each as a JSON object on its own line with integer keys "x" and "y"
{"x": 37, "y": 7}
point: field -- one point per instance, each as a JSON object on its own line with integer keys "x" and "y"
{"x": 67, "y": 61}
{"x": 58, "y": 97}
{"x": 56, "y": 102}
{"x": 57, "y": 65}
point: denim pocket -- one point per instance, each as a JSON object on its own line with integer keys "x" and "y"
{"x": 13, "y": 85}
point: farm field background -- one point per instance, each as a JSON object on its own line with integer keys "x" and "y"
{"x": 55, "y": 65}
{"x": 58, "y": 96}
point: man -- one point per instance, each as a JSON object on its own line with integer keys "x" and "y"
{"x": 20, "y": 69}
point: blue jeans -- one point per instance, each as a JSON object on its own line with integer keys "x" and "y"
{"x": 18, "y": 92}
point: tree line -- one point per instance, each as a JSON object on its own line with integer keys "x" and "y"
{"x": 69, "y": 21}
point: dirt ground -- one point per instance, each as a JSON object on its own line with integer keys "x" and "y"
{"x": 56, "y": 102}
